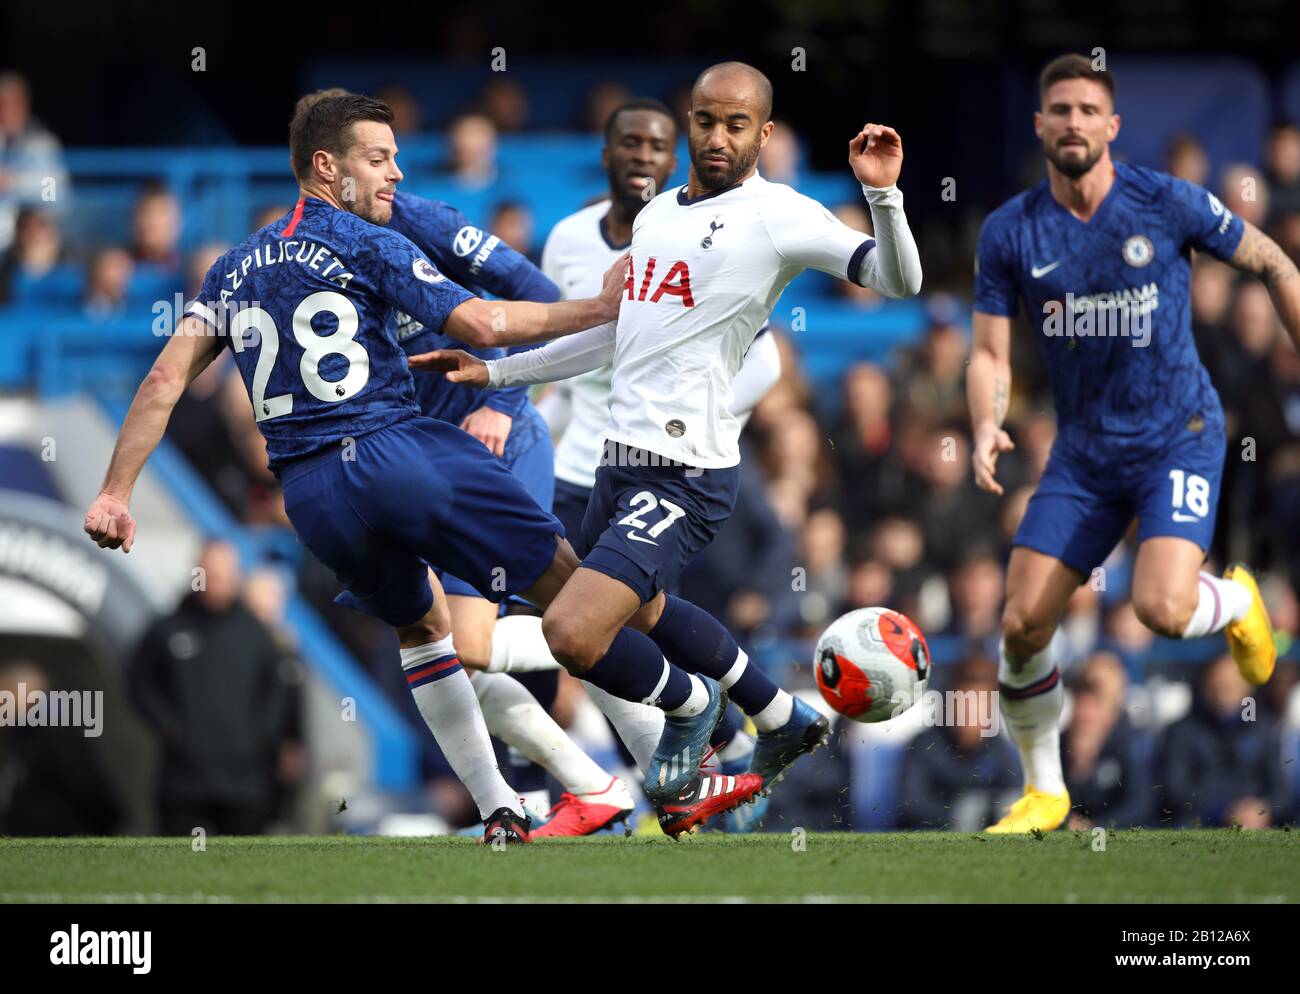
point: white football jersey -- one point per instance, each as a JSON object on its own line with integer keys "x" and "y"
{"x": 704, "y": 277}
{"x": 575, "y": 259}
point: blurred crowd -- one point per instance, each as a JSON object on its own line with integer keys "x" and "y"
{"x": 856, "y": 492}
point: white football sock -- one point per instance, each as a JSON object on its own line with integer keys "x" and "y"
{"x": 695, "y": 703}
{"x": 638, "y": 725}
{"x": 453, "y": 716}
{"x": 514, "y": 716}
{"x": 1219, "y": 602}
{"x": 518, "y": 646}
{"x": 778, "y": 710}
{"x": 1034, "y": 721}
{"x": 741, "y": 745}
{"x": 775, "y": 714}
{"x": 537, "y": 802}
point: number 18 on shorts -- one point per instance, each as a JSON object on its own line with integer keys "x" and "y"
{"x": 1083, "y": 508}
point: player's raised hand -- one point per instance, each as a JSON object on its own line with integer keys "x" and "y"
{"x": 110, "y": 524}
{"x": 460, "y": 367}
{"x": 990, "y": 441}
{"x": 611, "y": 291}
{"x": 876, "y": 155}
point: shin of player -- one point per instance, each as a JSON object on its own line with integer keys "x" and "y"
{"x": 449, "y": 706}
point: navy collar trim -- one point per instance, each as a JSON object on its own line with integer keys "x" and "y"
{"x": 686, "y": 201}
{"x": 604, "y": 234}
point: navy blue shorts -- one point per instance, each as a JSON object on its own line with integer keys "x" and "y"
{"x": 530, "y": 456}
{"x": 570, "y": 506}
{"x": 417, "y": 491}
{"x": 648, "y": 517}
{"x": 1083, "y": 507}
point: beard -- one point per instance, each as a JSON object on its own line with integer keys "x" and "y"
{"x": 372, "y": 210}
{"x": 367, "y": 207}
{"x": 631, "y": 201}
{"x": 1072, "y": 168}
{"x": 729, "y": 176}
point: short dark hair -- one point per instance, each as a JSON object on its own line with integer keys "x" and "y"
{"x": 323, "y": 120}
{"x": 1074, "y": 66}
{"x": 309, "y": 100}
{"x": 640, "y": 103}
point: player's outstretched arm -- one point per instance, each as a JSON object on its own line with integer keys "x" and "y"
{"x": 490, "y": 324}
{"x": 876, "y": 158}
{"x": 1260, "y": 255}
{"x": 988, "y": 392}
{"x": 186, "y": 354}
{"x": 560, "y": 360}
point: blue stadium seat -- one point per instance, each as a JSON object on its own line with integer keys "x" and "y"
{"x": 61, "y": 287}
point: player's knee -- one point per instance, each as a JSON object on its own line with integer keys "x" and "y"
{"x": 427, "y": 629}
{"x": 433, "y": 627}
{"x": 1024, "y": 634}
{"x": 565, "y": 558}
{"x": 474, "y": 652}
{"x": 1165, "y": 612}
{"x": 648, "y": 615}
{"x": 572, "y": 647}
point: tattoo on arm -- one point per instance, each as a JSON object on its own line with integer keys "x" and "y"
{"x": 1260, "y": 255}
{"x": 1001, "y": 398}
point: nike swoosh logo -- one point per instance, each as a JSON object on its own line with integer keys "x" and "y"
{"x": 1036, "y": 272}
{"x": 637, "y": 538}
{"x": 1185, "y": 517}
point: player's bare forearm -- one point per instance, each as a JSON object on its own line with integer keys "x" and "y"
{"x": 988, "y": 389}
{"x": 988, "y": 392}
{"x": 141, "y": 432}
{"x": 186, "y": 354}
{"x": 562, "y": 318}
{"x": 1286, "y": 299}
{"x": 485, "y": 324}
{"x": 1261, "y": 256}
{"x": 988, "y": 377}
{"x": 492, "y": 324}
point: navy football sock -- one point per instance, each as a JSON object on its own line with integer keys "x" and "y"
{"x": 632, "y": 669}
{"x": 696, "y": 641}
{"x": 525, "y": 775}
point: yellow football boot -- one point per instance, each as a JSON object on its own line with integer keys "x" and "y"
{"x": 1037, "y": 809}
{"x": 1251, "y": 638}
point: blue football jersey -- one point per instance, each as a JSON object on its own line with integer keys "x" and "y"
{"x": 476, "y": 259}
{"x": 1111, "y": 300}
{"x": 308, "y": 305}
{"x": 479, "y": 261}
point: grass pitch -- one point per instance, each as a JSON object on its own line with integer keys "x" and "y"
{"x": 1136, "y": 866}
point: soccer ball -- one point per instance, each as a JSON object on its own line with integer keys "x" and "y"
{"x": 872, "y": 664}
